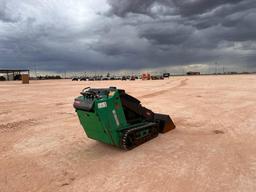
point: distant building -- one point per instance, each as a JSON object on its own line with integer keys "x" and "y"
{"x": 12, "y": 74}
{"x": 193, "y": 73}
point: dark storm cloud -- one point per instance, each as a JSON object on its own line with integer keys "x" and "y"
{"x": 183, "y": 7}
{"x": 195, "y": 7}
{"x": 166, "y": 35}
{"x": 201, "y": 27}
{"x": 121, "y": 34}
{"x": 122, "y": 7}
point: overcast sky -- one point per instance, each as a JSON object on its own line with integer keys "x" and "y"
{"x": 95, "y": 35}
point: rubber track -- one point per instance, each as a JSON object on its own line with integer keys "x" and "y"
{"x": 141, "y": 140}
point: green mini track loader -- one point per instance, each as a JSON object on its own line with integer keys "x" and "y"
{"x": 112, "y": 116}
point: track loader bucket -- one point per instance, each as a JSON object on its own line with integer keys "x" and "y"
{"x": 165, "y": 122}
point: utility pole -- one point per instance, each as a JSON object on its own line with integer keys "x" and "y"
{"x": 216, "y": 67}
{"x": 36, "y": 70}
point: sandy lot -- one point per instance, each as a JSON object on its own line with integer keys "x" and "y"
{"x": 44, "y": 148}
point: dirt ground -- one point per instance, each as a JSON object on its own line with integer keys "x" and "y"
{"x": 213, "y": 148}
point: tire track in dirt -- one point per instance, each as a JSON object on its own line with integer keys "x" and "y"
{"x": 181, "y": 84}
{"x": 5, "y": 112}
{"x": 16, "y": 125}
